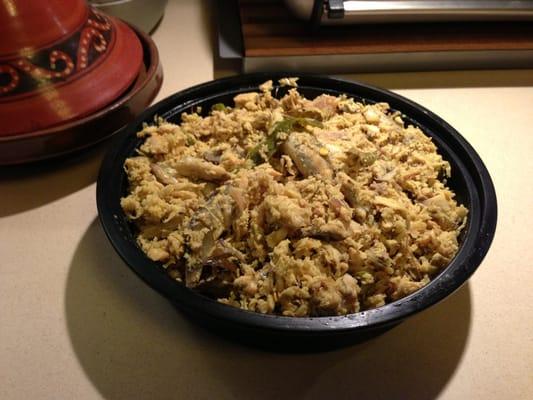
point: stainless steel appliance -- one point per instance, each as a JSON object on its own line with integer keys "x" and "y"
{"x": 332, "y": 12}
{"x": 145, "y": 14}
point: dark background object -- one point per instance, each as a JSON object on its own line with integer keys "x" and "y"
{"x": 470, "y": 181}
{"x": 228, "y": 29}
{"x": 269, "y": 38}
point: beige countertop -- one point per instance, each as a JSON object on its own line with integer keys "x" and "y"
{"x": 75, "y": 323}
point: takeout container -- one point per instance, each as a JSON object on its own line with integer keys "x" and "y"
{"x": 69, "y": 77}
{"x": 470, "y": 181}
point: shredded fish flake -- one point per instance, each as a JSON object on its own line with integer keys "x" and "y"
{"x": 294, "y": 206}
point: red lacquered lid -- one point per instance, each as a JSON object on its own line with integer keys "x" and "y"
{"x": 28, "y": 25}
{"x": 53, "y": 81}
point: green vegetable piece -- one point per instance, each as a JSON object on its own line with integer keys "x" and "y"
{"x": 218, "y": 107}
{"x": 367, "y": 159}
{"x": 272, "y": 141}
{"x": 361, "y": 158}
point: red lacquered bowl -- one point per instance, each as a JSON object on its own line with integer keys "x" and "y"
{"x": 61, "y": 61}
{"x": 81, "y": 133}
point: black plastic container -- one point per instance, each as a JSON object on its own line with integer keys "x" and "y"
{"x": 470, "y": 181}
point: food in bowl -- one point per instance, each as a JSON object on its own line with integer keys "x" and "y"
{"x": 294, "y": 206}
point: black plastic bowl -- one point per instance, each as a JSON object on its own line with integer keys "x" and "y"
{"x": 470, "y": 181}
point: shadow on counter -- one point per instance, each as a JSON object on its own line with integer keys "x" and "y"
{"x": 35, "y": 184}
{"x": 132, "y": 343}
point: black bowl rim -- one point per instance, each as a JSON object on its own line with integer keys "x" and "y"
{"x": 480, "y": 232}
